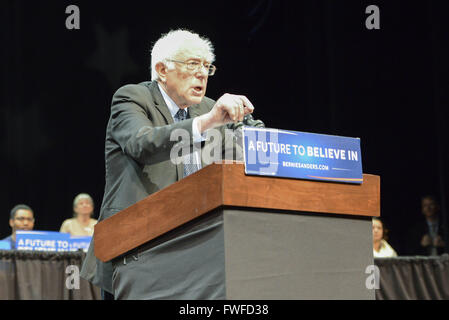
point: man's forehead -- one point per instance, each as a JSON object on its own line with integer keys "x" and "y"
{"x": 194, "y": 53}
{"x": 24, "y": 212}
{"x": 427, "y": 201}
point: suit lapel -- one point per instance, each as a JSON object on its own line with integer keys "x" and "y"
{"x": 194, "y": 111}
{"x": 159, "y": 102}
{"x": 161, "y": 106}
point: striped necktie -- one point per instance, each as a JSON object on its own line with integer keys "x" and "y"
{"x": 189, "y": 161}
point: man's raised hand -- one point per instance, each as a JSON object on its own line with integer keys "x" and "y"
{"x": 229, "y": 108}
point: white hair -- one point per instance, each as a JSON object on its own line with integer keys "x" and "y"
{"x": 173, "y": 43}
{"x": 82, "y": 196}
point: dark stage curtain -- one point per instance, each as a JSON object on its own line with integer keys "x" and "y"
{"x": 26, "y": 275}
{"x": 413, "y": 278}
{"x": 30, "y": 275}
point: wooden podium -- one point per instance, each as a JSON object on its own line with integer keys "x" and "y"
{"x": 281, "y": 238}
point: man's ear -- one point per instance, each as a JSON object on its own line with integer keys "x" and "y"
{"x": 11, "y": 223}
{"x": 161, "y": 70}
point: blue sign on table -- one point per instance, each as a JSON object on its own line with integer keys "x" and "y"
{"x": 302, "y": 155}
{"x": 42, "y": 241}
{"x": 50, "y": 241}
{"x": 79, "y": 243}
{"x": 5, "y": 245}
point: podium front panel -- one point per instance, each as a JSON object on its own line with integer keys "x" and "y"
{"x": 270, "y": 255}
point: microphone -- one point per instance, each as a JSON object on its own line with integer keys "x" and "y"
{"x": 235, "y": 148}
{"x": 248, "y": 120}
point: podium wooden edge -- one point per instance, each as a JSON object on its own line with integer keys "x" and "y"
{"x": 225, "y": 184}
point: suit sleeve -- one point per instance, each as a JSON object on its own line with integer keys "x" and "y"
{"x": 135, "y": 131}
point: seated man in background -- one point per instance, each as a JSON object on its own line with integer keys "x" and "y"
{"x": 21, "y": 218}
{"x": 381, "y": 248}
{"x": 82, "y": 224}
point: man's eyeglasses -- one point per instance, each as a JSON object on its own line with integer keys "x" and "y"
{"x": 196, "y": 65}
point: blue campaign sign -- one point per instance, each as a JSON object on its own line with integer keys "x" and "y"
{"x": 50, "y": 241}
{"x": 302, "y": 155}
{"x": 42, "y": 241}
{"x": 5, "y": 245}
{"x": 79, "y": 243}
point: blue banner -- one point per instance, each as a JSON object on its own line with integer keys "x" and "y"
{"x": 50, "y": 241}
{"x": 42, "y": 241}
{"x": 302, "y": 155}
{"x": 79, "y": 243}
{"x": 5, "y": 245}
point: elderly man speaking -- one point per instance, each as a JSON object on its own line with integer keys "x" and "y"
{"x": 188, "y": 263}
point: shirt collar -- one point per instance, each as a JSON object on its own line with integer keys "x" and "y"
{"x": 172, "y": 106}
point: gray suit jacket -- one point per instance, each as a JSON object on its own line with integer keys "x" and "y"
{"x": 137, "y": 157}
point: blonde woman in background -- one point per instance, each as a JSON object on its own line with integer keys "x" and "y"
{"x": 381, "y": 248}
{"x": 82, "y": 224}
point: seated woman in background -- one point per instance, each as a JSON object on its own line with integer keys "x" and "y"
{"x": 82, "y": 224}
{"x": 381, "y": 248}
